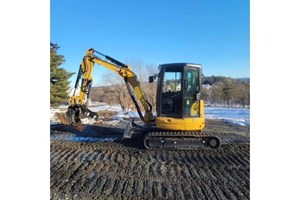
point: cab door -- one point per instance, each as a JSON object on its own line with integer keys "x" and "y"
{"x": 191, "y": 92}
{"x": 170, "y": 94}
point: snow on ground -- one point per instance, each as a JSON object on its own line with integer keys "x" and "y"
{"x": 74, "y": 138}
{"x": 97, "y": 108}
{"x": 237, "y": 116}
{"x": 126, "y": 115}
{"x": 53, "y": 117}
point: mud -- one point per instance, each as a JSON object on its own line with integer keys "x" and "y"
{"x": 123, "y": 169}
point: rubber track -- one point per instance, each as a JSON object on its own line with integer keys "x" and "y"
{"x": 173, "y": 134}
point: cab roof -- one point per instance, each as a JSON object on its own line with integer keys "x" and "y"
{"x": 180, "y": 65}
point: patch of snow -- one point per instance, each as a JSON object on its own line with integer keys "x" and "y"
{"x": 73, "y": 138}
{"x": 112, "y": 123}
{"x": 53, "y": 117}
{"x": 237, "y": 116}
{"x": 126, "y": 115}
{"x": 92, "y": 139}
{"x": 240, "y": 122}
{"x": 91, "y": 121}
{"x": 87, "y": 121}
{"x": 64, "y": 106}
{"x": 96, "y": 103}
{"x": 116, "y": 108}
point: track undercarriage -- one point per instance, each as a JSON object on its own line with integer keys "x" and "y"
{"x": 152, "y": 137}
{"x": 157, "y": 138}
{"x": 180, "y": 140}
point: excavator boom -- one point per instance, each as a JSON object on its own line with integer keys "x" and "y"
{"x": 79, "y": 102}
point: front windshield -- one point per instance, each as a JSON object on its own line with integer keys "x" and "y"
{"x": 172, "y": 81}
{"x": 172, "y": 92}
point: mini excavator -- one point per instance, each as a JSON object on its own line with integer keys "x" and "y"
{"x": 179, "y": 120}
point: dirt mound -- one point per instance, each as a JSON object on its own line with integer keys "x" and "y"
{"x": 107, "y": 114}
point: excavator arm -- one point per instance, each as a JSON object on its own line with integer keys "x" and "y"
{"x": 79, "y": 102}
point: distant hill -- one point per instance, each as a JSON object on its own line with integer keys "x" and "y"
{"x": 210, "y": 80}
{"x": 243, "y": 79}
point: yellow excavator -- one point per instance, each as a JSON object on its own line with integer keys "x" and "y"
{"x": 179, "y": 120}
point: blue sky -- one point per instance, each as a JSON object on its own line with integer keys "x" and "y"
{"x": 214, "y": 33}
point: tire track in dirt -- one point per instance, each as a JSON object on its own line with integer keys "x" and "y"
{"x": 122, "y": 170}
{"x": 113, "y": 171}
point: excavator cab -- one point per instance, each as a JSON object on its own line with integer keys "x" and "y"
{"x": 180, "y": 111}
{"x": 178, "y": 97}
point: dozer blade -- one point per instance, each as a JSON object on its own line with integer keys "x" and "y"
{"x": 128, "y": 130}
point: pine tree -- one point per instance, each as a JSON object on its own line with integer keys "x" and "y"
{"x": 59, "y": 84}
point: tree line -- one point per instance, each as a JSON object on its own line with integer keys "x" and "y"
{"x": 224, "y": 91}
{"x": 59, "y": 77}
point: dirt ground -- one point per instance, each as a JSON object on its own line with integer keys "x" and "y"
{"x": 123, "y": 169}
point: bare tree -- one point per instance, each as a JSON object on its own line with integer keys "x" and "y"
{"x": 243, "y": 96}
{"x": 216, "y": 93}
{"x": 118, "y": 91}
{"x": 150, "y": 88}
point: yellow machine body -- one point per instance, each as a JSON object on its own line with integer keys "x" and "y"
{"x": 184, "y": 124}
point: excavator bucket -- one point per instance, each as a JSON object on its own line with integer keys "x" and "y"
{"x": 71, "y": 118}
